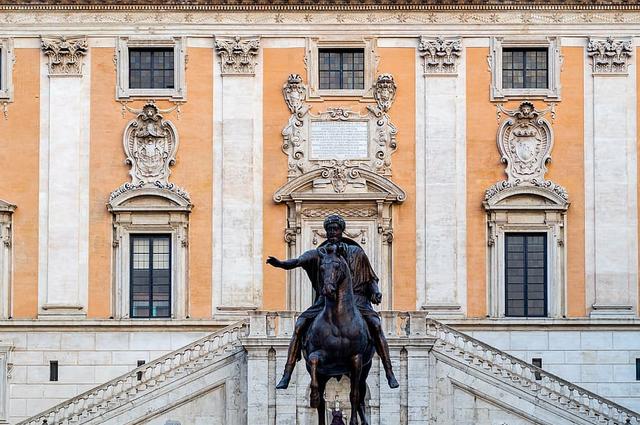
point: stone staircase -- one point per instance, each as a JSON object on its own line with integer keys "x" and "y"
{"x": 124, "y": 389}
{"x": 421, "y": 341}
{"x": 544, "y": 386}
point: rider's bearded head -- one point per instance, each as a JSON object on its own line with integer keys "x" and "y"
{"x": 334, "y": 225}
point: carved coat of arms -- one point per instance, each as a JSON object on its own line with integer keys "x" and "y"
{"x": 150, "y": 144}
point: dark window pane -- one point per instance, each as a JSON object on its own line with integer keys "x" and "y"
{"x": 525, "y": 275}
{"x": 524, "y": 68}
{"x": 151, "y": 68}
{"x": 341, "y": 69}
{"x": 150, "y": 293}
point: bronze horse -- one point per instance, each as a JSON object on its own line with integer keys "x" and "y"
{"x": 337, "y": 342}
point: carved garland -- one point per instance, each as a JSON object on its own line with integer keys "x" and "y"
{"x": 65, "y": 54}
{"x": 609, "y": 56}
{"x": 525, "y": 141}
{"x": 238, "y": 55}
{"x": 340, "y": 173}
{"x": 150, "y": 144}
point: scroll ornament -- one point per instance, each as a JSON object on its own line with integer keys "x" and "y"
{"x": 238, "y": 55}
{"x": 150, "y": 144}
{"x": 525, "y": 141}
{"x": 65, "y": 54}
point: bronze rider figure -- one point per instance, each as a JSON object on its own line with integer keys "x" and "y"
{"x": 365, "y": 288}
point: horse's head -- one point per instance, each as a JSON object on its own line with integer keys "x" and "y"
{"x": 333, "y": 270}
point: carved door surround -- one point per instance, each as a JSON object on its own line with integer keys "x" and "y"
{"x": 526, "y": 202}
{"x": 149, "y": 203}
{"x": 354, "y": 183}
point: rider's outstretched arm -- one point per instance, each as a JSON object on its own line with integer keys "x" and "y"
{"x": 287, "y": 264}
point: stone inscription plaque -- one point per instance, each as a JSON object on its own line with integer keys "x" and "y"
{"x": 339, "y": 140}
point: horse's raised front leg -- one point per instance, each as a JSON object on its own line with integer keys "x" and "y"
{"x": 354, "y": 395}
{"x": 314, "y": 360}
{"x": 322, "y": 408}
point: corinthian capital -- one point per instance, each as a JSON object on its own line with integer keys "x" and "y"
{"x": 238, "y": 55}
{"x": 609, "y": 56}
{"x": 65, "y": 54}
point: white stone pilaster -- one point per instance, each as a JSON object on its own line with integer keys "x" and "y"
{"x": 441, "y": 156}
{"x": 611, "y": 183}
{"x": 237, "y": 210}
{"x": 64, "y": 172}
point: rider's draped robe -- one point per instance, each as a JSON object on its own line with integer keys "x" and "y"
{"x": 362, "y": 277}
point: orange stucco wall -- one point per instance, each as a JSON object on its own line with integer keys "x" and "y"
{"x": 278, "y": 64}
{"x": 484, "y": 169}
{"x": 106, "y": 172}
{"x": 400, "y": 62}
{"x": 19, "y": 174}
{"x": 567, "y": 169}
{"x": 193, "y": 171}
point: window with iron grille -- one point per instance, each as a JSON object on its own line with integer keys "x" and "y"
{"x": 341, "y": 69}
{"x": 150, "y": 276}
{"x": 151, "y": 68}
{"x": 525, "y": 68}
{"x": 526, "y": 274}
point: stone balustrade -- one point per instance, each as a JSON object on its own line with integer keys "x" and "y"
{"x": 120, "y": 390}
{"x": 529, "y": 377}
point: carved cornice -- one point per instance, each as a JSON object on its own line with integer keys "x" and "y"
{"x": 65, "y": 55}
{"x": 346, "y": 212}
{"x": 440, "y": 56}
{"x": 609, "y": 56}
{"x": 214, "y": 15}
{"x": 238, "y": 56}
{"x": 312, "y": 5}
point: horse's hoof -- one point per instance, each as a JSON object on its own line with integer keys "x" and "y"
{"x": 393, "y": 382}
{"x": 314, "y": 399}
{"x": 284, "y": 382}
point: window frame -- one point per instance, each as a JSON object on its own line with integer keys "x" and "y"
{"x": 7, "y": 60}
{"x": 150, "y": 237}
{"x": 312, "y": 60}
{"x": 178, "y": 44}
{"x": 554, "y": 62}
{"x": 525, "y": 234}
{"x": 524, "y": 51}
{"x": 342, "y": 71}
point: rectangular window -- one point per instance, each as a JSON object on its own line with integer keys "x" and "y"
{"x": 341, "y": 69}
{"x": 53, "y": 370}
{"x": 150, "y": 276}
{"x": 151, "y": 68}
{"x": 525, "y": 68}
{"x": 526, "y": 274}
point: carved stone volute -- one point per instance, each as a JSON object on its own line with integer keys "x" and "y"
{"x": 238, "y": 55}
{"x": 65, "y": 55}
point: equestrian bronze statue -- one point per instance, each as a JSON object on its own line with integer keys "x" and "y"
{"x": 345, "y": 286}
